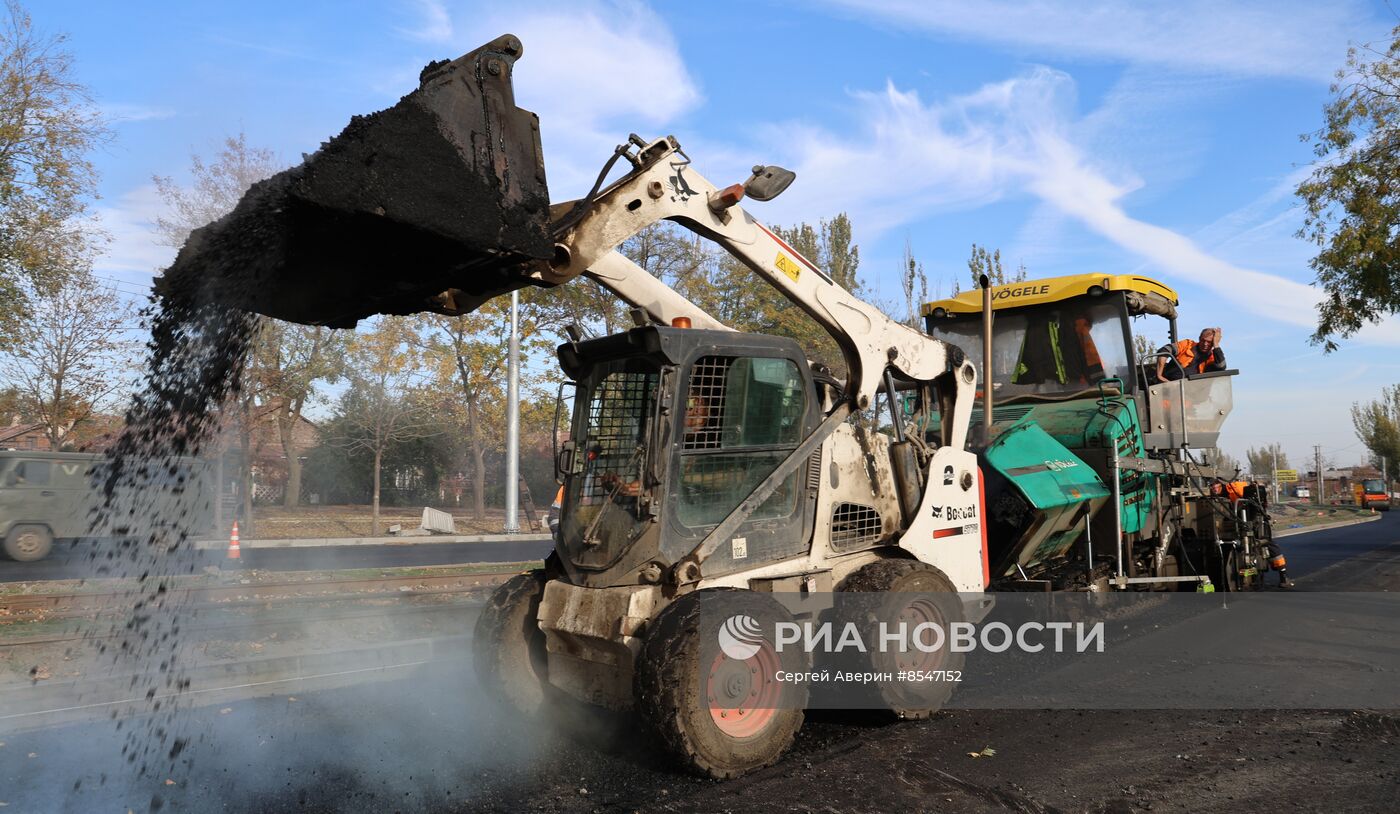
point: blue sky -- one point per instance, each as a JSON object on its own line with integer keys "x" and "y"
{"x": 1146, "y": 137}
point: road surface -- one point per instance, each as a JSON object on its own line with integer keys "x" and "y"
{"x": 428, "y": 741}
{"x": 76, "y": 561}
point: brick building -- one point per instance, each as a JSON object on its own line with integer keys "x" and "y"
{"x": 94, "y": 434}
{"x": 269, "y": 459}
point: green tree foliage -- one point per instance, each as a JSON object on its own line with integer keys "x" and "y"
{"x": 341, "y": 473}
{"x": 914, "y": 284}
{"x": 1377, "y": 424}
{"x": 1264, "y": 460}
{"x": 740, "y": 299}
{"x": 286, "y": 363}
{"x": 1352, "y": 199}
{"x": 466, "y": 360}
{"x": 47, "y": 128}
{"x": 989, "y": 263}
{"x": 384, "y": 407}
{"x": 664, "y": 250}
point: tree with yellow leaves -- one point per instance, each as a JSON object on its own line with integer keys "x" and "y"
{"x": 385, "y": 403}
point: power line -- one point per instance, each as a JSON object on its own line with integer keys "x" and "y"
{"x": 143, "y": 287}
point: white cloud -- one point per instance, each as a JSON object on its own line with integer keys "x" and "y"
{"x": 435, "y": 24}
{"x": 1008, "y": 138}
{"x": 121, "y": 113}
{"x": 1292, "y": 38}
{"x": 593, "y": 71}
{"x": 133, "y": 253}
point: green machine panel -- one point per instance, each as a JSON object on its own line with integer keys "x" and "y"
{"x": 1091, "y": 427}
{"x": 1040, "y": 497}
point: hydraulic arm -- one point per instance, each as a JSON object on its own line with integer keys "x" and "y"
{"x": 662, "y": 186}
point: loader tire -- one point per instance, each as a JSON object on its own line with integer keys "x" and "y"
{"x": 508, "y": 646}
{"x": 692, "y": 696}
{"x": 907, "y": 591}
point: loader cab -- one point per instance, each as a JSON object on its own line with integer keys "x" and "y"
{"x": 672, "y": 429}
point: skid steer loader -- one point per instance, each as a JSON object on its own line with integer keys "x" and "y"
{"x": 703, "y": 462}
{"x": 704, "y": 465}
{"x": 706, "y": 471}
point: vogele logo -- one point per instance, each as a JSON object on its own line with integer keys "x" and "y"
{"x": 740, "y": 637}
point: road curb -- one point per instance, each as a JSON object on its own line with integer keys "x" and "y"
{"x": 1325, "y": 526}
{"x": 328, "y": 542}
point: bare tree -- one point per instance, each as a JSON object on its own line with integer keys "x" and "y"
{"x": 47, "y": 127}
{"x": 286, "y": 361}
{"x": 377, "y": 418}
{"x": 214, "y": 190}
{"x": 72, "y": 355}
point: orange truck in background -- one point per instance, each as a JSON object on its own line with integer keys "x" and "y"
{"x": 1371, "y": 494}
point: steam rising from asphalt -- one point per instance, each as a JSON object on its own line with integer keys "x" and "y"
{"x": 410, "y": 739}
{"x": 195, "y": 359}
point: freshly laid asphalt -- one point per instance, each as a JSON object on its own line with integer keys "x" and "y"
{"x": 430, "y": 741}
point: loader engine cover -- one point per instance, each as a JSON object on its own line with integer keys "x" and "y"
{"x": 436, "y": 203}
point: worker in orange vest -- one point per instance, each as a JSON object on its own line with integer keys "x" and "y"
{"x": 555, "y": 509}
{"x": 1201, "y": 356}
{"x": 1273, "y": 553}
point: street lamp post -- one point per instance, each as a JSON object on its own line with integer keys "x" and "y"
{"x": 513, "y": 420}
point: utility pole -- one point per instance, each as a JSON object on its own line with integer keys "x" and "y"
{"x": 1317, "y": 456}
{"x": 513, "y": 420}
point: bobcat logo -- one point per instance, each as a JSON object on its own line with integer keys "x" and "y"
{"x": 937, "y": 512}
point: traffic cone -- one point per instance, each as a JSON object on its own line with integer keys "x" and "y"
{"x": 233, "y": 552}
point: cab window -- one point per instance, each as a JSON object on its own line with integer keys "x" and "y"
{"x": 742, "y": 417}
{"x": 29, "y": 473}
{"x": 1064, "y": 347}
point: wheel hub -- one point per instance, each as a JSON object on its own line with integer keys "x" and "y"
{"x": 918, "y": 612}
{"x": 744, "y": 695}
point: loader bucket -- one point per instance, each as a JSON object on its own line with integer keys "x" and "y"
{"x": 436, "y": 203}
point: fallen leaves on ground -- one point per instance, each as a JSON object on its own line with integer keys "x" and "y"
{"x": 987, "y": 751}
